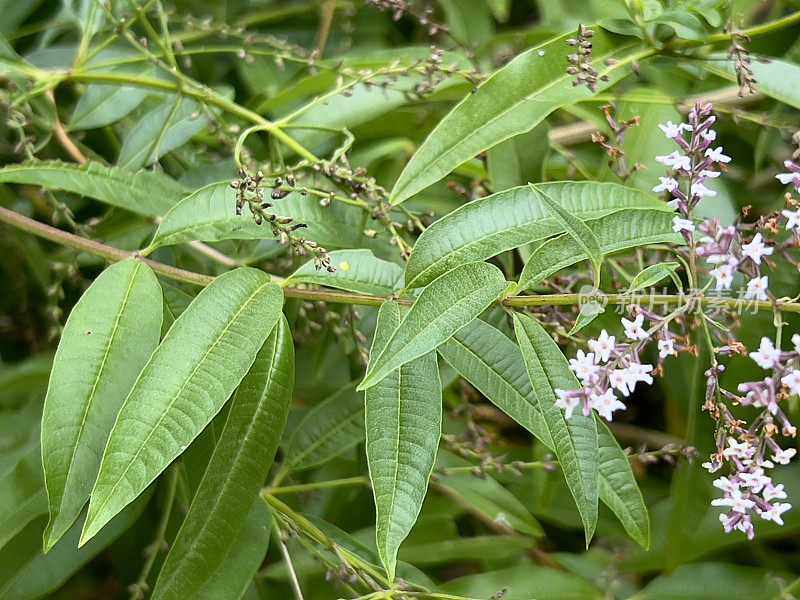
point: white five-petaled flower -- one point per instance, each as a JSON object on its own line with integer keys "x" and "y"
{"x": 767, "y": 355}
{"x": 736, "y": 500}
{"x": 717, "y": 156}
{"x": 618, "y": 380}
{"x": 757, "y": 288}
{"x": 757, "y": 249}
{"x": 740, "y": 450}
{"x": 723, "y": 275}
{"x": 603, "y": 346}
{"x": 566, "y": 403}
{"x": 699, "y": 189}
{"x": 792, "y": 381}
{"x": 667, "y": 183}
{"x": 634, "y": 329}
{"x": 782, "y": 457}
{"x": 673, "y": 130}
{"x": 666, "y": 348}
{"x": 773, "y": 492}
{"x": 583, "y": 365}
{"x": 793, "y": 218}
{"x": 775, "y": 511}
{"x": 605, "y": 403}
{"x": 755, "y": 480}
{"x": 727, "y": 485}
{"x": 682, "y": 224}
{"x": 676, "y": 160}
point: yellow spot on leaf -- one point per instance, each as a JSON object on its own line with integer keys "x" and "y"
{"x": 344, "y": 266}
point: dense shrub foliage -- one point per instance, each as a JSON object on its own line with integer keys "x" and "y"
{"x": 399, "y": 299}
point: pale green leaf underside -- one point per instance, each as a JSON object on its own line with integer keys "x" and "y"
{"x": 329, "y": 429}
{"x": 576, "y": 438}
{"x": 512, "y": 101}
{"x": 403, "y": 415}
{"x": 617, "y": 231}
{"x": 108, "y": 338}
{"x": 358, "y": 271}
{"x": 104, "y": 104}
{"x": 145, "y": 192}
{"x": 236, "y": 472}
{"x": 652, "y": 275}
{"x": 445, "y": 306}
{"x": 202, "y": 359}
{"x": 510, "y": 219}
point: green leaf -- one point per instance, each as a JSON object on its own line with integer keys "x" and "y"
{"x": 237, "y": 470}
{"x": 578, "y": 231}
{"x": 403, "y": 415}
{"x": 485, "y": 498}
{"x": 506, "y": 220}
{"x": 103, "y": 104}
{"x": 712, "y": 581}
{"x": 108, "y": 338}
{"x": 357, "y": 271}
{"x": 145, "y": 192}
{"x": 615, "y": 232}
{"x": 576, "y": 438}
{"x": 245, "y": 555}
{"x": 493, "y": 363}
{"x": 203, "y": 357}
{"x": 524, "y": 582}
{"x": 330, "y": 428}
{"x": 588, "y": 313}
{"x": 519, "y": 160}
{"x": 26, "y": 572}
{"x": 22, "y": 494}
{"x": 512, "y": 101}
{"x": 652, "y": 275}
{"x": 776, "y": 78}
{"x": 618, "y": 488}
{"x": 445, "y": 306}
{"x": 161, "y": 130}
{"x": 209, "y": 215}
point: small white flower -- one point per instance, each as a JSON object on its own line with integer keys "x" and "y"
{"x": 676, "y": 160}
{"x": 667, "y": 183}
{"x": 782, "y": 457}
{"x": 673, "y": 204}
{"x": 767, "y": 355}
{"x": 671, "y": 130}
{"x": 567, "y": 403}
{"x": 605, "y": 403}
{"x": 774, "y": 492}
{"x": 736, "y": 501}
{"x": 775, "y": 511}
{"x": 757, "y": 289}
{"x": 618, "y": 380}
{"x": 792, "y": 381}
{"x": 634, "y": 329}
{"x": 740, "y": 450}
{"x": 756, "y": 249}
{"x": 717, "y": 156}
{"x": 682, "y": 224}
{"x": 796, "y": 342}
{"x": 699, "y": 189}
{"x": 727, "y": 485}
{"x": 583, "y": 365}
{"x": 723, "y": 275}
{"x": 666, "y": 348}
{"x": 787, "y": 178}
{"x": 793, "y": 217}
{"x": 708, "y": 135}
{"x": 712, "y": 467}
{"x": 636, "y": 372}
{"x": 603, "y": 346}
{"x": 709, "y": 174}
{"x": 755, "y": 480}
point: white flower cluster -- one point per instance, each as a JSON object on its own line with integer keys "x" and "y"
{"x": 612, "y": 368}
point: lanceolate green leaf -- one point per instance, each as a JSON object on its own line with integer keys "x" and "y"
{"x": 356, "y": 271}
{"x": 145, "y": 192}
{"x": 161, "y": 130}
{"x": 652, "y": 275}
{"x": 618, "y": 488}
{"x": 579, "y": 231}
{"x": 615, "y": 232}
{"x": 512, "y": 101}
{"x": 235, "y": 473}
{"x": 103, "y": 104}
{"x": 576, "y": 438}
{"x": 486, "y": 227}
{"x": 492, "y": 363}
{"x": 330, "y": 428}
{"x": 209, "y": 215}
{"x": 444, "y": 307}
{"x": 109, "y": 336}
{"x": 403, "y": 415}
{"x": 774, "y": 77}
{"x": 203, "y": 357}
{"x": 22, "y": 494}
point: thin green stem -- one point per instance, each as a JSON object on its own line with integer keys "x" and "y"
{"x": 319, "y": 485}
